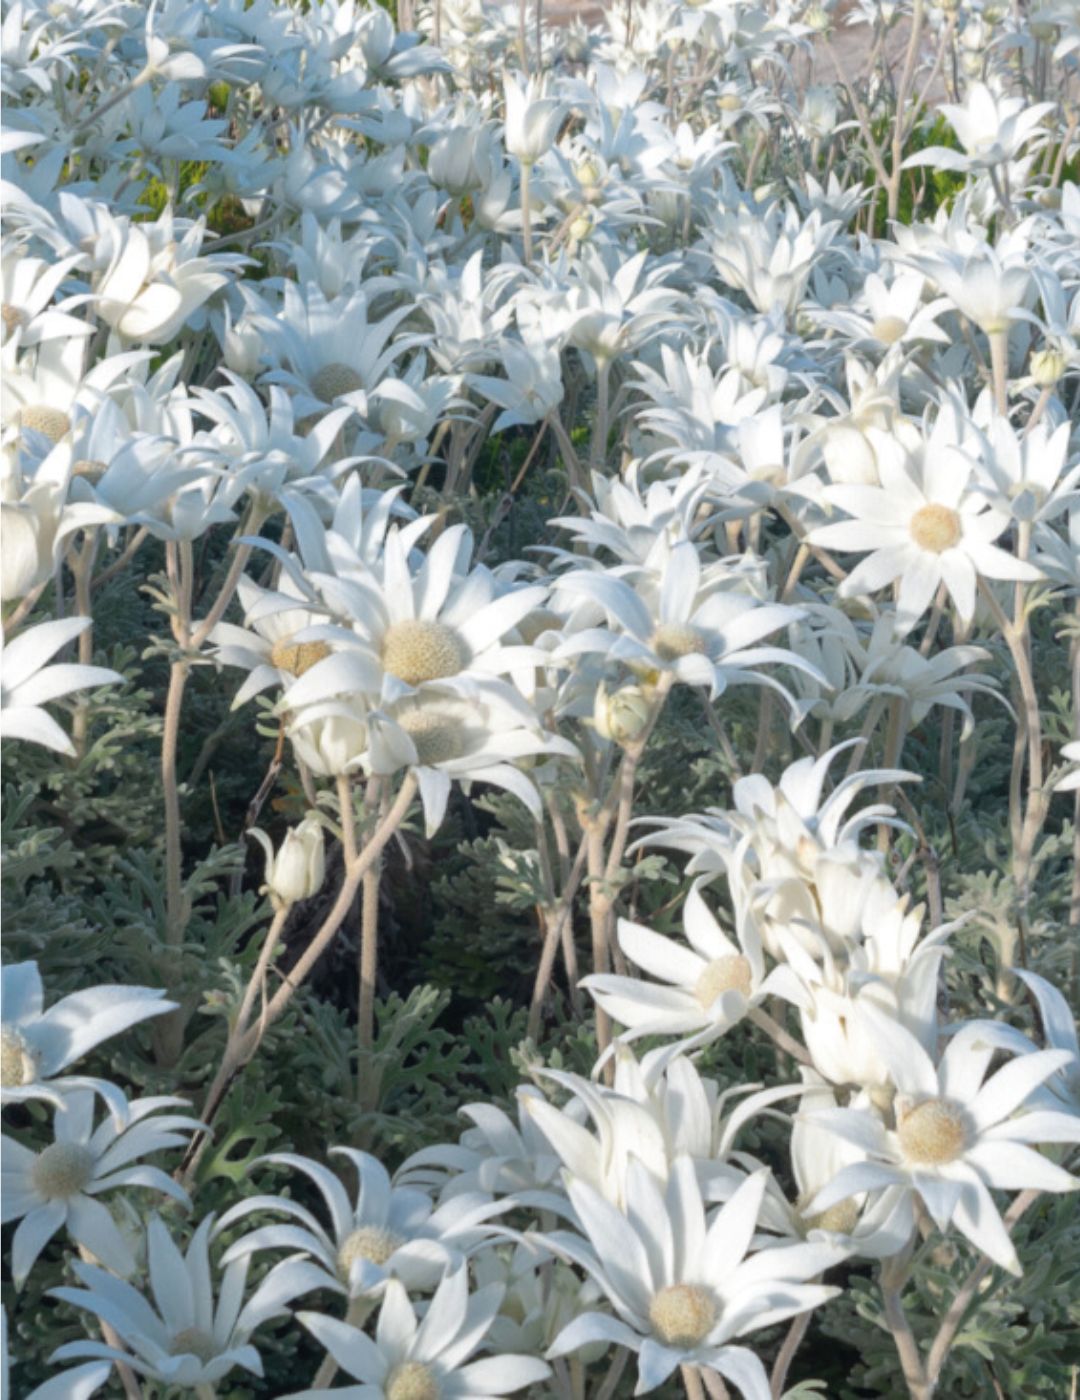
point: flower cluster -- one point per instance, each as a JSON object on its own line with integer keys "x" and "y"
{"x": 513, "y": 436}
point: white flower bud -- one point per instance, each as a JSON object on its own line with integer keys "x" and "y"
{"x": 296, "y": 870}
{"x": 623, "y": 716}
{"x": 1047, "y": 367}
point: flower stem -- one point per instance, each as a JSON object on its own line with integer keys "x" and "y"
{"x": 999, "y": 368}
{"x": 526, "y": 214}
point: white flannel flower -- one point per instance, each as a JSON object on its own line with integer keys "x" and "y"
{"x": 696, "y": 634}
{"x": 77, "y": 1384}
{"x": 27, "y": 288}
{"x": 683, "y": 1285}
{"x": 27, "y": 681}
{"x": 1071, "y": 781}
{"x": 927, "y": 524}
{"x": 992, "y": 130}
{"x": 296, "y": 869}
{"x": 953, "y": 1137}
{"x": 700, "y": 991}
{"x": 388, "y": 1232}
{"x": 532, "y": 119}
{"x": 184, "y": 1338}
{"x": 1061, "y": 1090}
{"x": 58, "y": 1187}
{"x": 429, "y": 1359}
{"x": 38, "y": 1045}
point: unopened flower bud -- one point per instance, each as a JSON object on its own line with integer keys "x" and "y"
{"x": 296, "y": 870}
{"x": 1047, "y": 367}
{"x": 623, "y": 716}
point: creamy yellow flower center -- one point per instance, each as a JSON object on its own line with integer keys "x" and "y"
{"x": 89, "y": 467}
{"x": 193, "y": 1341}
{"x": 335, "y": 379}
{"x": 52, "y": 423}
{"x": 842, "y": 1217}
{"x": 416, "y": 650}
{"x": 932, "y": 1133}
{"x": 731, "y": 973}
{"x": 18, "y": 1063}
{"x": 297, "y": 657}
{"x": 729, "y": 102}
{"x": 370, "y": 1242}
{"x": 436, "y": 735}
{"x": 412, "y": 1380}
{"x": 889, "y": 329}
{"x": 674, "y": 639}
{"x": 11, "y": 317}
{"x": 61, "y": 1170}
{"x": 935, "y": 528}
{"x": 683, "y": 1314}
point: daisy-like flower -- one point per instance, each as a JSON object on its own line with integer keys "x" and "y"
{"x": 702, "y": 991}
{"x": 952, "y": 1137}
{"x": 432, "y": 621}
{"x": 927, "y": 524}
{"x": 701, "y": 636}
{"x": 38, "y": 1045}
{"x": 183, "y": 1338}
{"x": 684, "y": 1286}
{"x": 1061, "y": 1090}
{"x": 388, "y": 1232}
{"x": 332, "y": 351}
{"x": 442, "y": 736}
{"x": 426, "y": 1359}
{"x": 58, "y": 1187}
{"x": 992, "y": 129}
{"x": 27, "y": 288}
{"x": 27, "y": 681}
{"x": 873, "y": 1224}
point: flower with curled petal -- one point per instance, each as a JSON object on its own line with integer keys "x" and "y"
{"x": 57, "y": 1187}
{"x": 952, "y": 1134}
{"x": 426, "y": 1359}
{"x": 27, "y": 682}
{"x": 38, "y": 1045}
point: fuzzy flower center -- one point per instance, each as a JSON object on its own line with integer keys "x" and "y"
{"x": 935, "y": 528}
{"x": 12, "y": 317}
{"x": 193, "y": 1341}
{"x": 674, "y": 639}
{"x": 52, "y": 423}
{"x": 412, "y": 1380}
{"x": 889, "y": 329}
{"x": 370, "y": 1242}
{"x": 297, "y": 657}
{"x": 731, "y": 973}
{"x": 416, "y": 650}
{"x": 842, "y": 1217}
{"x": 436, "y": 735}
{"x": 18, "y": 1063}
{"x": 683, "y": 1314}
{"x": 335, "y": 379}
{"x": 62, "y": 1169}
{"x": 932, "y": 1133}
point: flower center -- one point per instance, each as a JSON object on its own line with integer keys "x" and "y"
{"x": 674, "y": 639}
{"x": 731, "y": 973}
{"x": 297, "y": 657}
{"x": 18, "y": 1063}
{"x": 889, "y": 329}
{"x": 193, "y": 1341}
{"x": 52, "y": 423}
{"x": 370, "y": 1242}
{"x": 89, "y": 467}
{"x": 412, "y": 1380}
{"x": 436, "y": 735}
{"x": 842, "y": 1217}
{"x": 932, "y": 1133}
{"x": 11, "y": 317}
{"x": 935, "y": 528}
{"x": 61, "y": 1170}
{"x": 335, "y": 379}
{"x": 416, "y": 651}
{"x": 683, "y": 1314}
